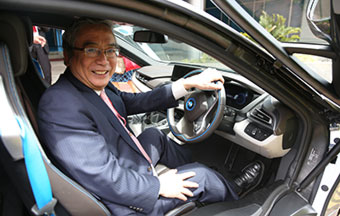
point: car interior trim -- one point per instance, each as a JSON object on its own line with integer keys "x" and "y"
{"x": 310, "y": 49}
{"x": 271, "y": 147}
{"x": 141, "y": 87}
{"x": 9, "y": 129}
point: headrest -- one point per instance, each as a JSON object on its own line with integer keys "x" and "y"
{"x": 28, "y": 28}
{"x": 15, "y": 33}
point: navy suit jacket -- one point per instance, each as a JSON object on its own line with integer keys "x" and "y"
{"x": 85, "y": 137}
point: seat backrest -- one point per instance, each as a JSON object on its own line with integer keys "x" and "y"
{"x": 22, "y": 88}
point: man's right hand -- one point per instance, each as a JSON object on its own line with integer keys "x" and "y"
{"x": 173, "y": 185}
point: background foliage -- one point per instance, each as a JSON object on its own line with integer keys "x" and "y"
{"x": 276, "y": 26}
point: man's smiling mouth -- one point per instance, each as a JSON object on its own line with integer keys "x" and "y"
{"x": 100, "y": 72}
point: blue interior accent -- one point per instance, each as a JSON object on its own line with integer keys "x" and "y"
{"x": 35, "y": 167}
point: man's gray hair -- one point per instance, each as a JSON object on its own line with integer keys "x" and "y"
{"x": 69, "y": 36}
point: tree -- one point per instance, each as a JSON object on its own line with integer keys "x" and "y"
{"x": 276, "y": 26}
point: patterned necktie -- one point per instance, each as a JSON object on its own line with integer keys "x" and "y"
{"x": 122, "y": 120}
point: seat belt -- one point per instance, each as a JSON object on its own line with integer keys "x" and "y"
{"x": 37, "y": 173}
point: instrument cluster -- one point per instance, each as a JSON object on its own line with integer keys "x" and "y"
{"x": 238, "y": 96}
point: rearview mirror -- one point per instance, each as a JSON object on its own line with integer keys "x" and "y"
{"x": 147, "y": 36}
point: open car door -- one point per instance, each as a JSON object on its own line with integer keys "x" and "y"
{"x": 325, "y": 24}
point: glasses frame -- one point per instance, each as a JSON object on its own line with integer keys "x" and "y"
{"x": 99, "y": 51}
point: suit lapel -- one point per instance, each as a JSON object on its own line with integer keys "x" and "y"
{"x": 93, "y": 98}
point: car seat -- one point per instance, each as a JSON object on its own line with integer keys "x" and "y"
{"x": 20, "y": 74}
{"x": 17, "y": 76}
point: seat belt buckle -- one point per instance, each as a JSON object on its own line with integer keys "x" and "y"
{"x": 48, "y": 209}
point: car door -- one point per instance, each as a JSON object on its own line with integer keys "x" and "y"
{"x": 323, "y": 20}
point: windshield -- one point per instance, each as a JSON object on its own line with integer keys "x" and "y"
{"x": 171, "y": 52}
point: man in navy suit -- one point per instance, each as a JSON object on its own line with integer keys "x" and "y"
{"x": 92, "y": 145}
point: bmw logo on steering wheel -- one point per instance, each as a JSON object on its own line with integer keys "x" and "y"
{"x": 190, "y": 104}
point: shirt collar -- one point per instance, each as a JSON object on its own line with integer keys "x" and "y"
{"x": 98, "y": 92}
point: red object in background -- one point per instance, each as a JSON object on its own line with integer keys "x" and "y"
{"x": 35, "y": 30}
{"x": 129, "y": 65}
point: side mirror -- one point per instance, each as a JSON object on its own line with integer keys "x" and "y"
{"x": 146, "y": 36}
{"x": 319, "y": 19}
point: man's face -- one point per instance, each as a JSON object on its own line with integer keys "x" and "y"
{"x": 94, "y": 72}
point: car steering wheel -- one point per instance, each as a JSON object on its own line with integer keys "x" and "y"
{"x": 203, "y": 112}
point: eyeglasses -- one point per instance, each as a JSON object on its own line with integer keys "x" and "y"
{"x": 95, "y": 52}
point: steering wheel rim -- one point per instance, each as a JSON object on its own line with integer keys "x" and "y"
{"x": 203, "y": 112}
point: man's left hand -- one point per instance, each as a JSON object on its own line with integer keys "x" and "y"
{"x": 209, "y": 79}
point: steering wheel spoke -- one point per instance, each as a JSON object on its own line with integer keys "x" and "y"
{"x": 187, "y": 128}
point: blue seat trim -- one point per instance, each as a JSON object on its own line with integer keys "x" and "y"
{"x": 35, "y": 167}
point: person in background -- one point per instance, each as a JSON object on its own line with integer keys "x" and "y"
{"x": 39, "y": 52}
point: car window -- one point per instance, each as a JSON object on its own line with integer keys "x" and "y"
{"x": 285, "y": 20}
{"x": 172, "y": 51}
{"x": 320, "y": 65}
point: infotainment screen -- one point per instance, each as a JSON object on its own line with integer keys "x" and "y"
{"x": 179, "y": 71}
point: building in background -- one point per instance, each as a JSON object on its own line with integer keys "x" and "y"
{"x": 54, "y": 40}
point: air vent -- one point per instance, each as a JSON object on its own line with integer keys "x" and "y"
{"x": 144, "y": 79}
{"x": 261, "y": 115}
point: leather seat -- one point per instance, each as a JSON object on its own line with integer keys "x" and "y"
{"x": 183, "y": 209}
{"x": 73, "y": 199}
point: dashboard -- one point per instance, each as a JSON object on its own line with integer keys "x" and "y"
{"x": 251, "y": 117}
